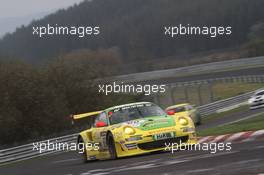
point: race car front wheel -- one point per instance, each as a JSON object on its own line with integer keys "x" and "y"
{"x": 198, "y": 120}
{"x": 111, "y": 147}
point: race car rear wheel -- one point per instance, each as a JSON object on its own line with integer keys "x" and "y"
{"x": 82, "y": 147}
{"x": 111, "y": 147}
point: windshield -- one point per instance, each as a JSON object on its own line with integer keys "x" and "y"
{"x": 133, "y": 112}
{"x": 179, "y": 109}
{"x": 259, "y": 93}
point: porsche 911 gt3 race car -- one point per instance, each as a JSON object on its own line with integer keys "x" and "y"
{"x": 133, "y": 129}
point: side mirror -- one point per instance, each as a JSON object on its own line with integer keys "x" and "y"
{"x": 100, "y": 124}
{"x": 170, "y": 112}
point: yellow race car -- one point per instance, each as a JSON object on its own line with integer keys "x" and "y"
{"x": 134, "y": 129}
{"x": 185, "y": 109}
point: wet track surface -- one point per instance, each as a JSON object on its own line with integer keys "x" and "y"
{"x": 244, "y": 158}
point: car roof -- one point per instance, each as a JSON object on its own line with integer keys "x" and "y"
{"x": 178, "y": 105}
{"x": 125, "y": 105}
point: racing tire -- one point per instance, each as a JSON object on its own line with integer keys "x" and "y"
{"x": 84, "y": 154}
{"x": 111, "y": 147}
{"x": 199, "y": 120}
{"x": 198, "y": 123}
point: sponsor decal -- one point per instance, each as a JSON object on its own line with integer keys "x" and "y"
{"x": 135, "y": 123}
{"x": 161, "y": 130}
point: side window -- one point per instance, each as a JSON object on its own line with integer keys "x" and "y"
{"x": 96, "y": 120}
{"x": 102, "y": 117}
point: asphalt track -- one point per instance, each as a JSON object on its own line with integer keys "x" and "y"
{"x": 244, "y": 158}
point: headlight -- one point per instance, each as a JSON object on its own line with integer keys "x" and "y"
{"x": 129, "y": 130}
{"x": 183, "y": 121}
{"x": 250, "y": 100}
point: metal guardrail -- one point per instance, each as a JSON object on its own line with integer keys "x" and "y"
{"x": 190, "y": 70}
{"x": 222, "y": 104}
{"x": 233, "y": 79}
{"x": 26, "y": 151}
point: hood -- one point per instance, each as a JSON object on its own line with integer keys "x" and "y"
{"x": 258, "y": 97}
{"x": 151, "y": 123}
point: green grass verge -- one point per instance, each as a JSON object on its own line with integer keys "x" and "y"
{"x": 227, "y": 90}
{"x": 255, "y": 123}
{"x": 224, "y": 114}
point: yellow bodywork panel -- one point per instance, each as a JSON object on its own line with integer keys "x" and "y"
{"x": 137, "y": 142}
{"x": 138, "y": 136}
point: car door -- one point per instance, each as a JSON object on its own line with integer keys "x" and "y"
{"x": 99, "y": 134}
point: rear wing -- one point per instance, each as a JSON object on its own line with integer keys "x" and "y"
{"x": 84, "y": 115}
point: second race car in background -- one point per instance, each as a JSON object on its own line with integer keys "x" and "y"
{"x": 186, "y": 109}
{"x": 257, "y": 100}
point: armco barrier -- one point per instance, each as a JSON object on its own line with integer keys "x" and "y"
{"x": 216, "y": 106}
{"x": 26, "y": 151}
{"x": 190, "y": 70}
{"x": 233, "y": 79}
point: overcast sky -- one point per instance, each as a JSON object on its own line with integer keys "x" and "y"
{"x": 14, "y": 13}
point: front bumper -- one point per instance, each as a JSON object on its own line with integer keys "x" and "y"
{"x": 257, "y": 104}
{"x": 162, "y": 143}
{"x": 149, "y": 144}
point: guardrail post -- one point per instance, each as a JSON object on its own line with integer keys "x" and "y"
{"x": 211, "y": 93}
{"x": 200, "y": 95}
{"x": 158, "y": 99}
{"x": 172, "y": 94}
{"x": 186, "y": 93}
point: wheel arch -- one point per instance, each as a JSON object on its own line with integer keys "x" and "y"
{"x": 79, "y": 138}
{"x": 84, "y": 136}
{"x": 108, "y": 134}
